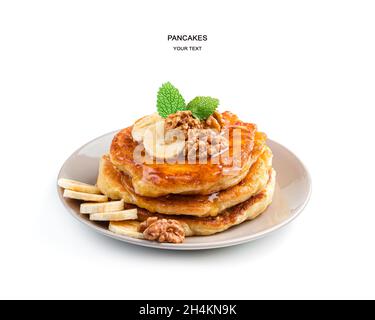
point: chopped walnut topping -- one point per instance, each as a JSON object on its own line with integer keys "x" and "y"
{"x": 219, "y": 117}
{"x": 215, "y": 121}
{"x": 212, "y": 123}
{"x": 203, "y": 138}
{"x": 162, "y": 230}
{"x": 183, "y": 120}
{"x": 204, "y": 143}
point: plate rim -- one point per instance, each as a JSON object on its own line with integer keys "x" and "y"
{"x": 187, "y": 246}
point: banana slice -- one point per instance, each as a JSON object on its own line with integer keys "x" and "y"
{"x": 130, "y": 214}
{"x": 163, "y": 147}
{"x": 141, "y": 125}
{"x": 88, "y": 208}
{"x": 78, "y": 186}
{"x": 126, "y": 228}
{"x": 84, "y": 196}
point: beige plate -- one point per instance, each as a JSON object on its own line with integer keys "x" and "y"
{"x": 292, "y": 193}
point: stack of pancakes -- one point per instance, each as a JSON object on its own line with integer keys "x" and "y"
{"x": 205, "y": 198}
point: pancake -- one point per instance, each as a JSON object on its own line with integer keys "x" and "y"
{"x": 118, "y": 185}
{"x": 203, "y": 226}
{"x": 155, "y": 180}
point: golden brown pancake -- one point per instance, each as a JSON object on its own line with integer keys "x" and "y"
{"x": 118, "y": 185}
{"x": 155, "y": 180}
{"x": 201, "y": 226}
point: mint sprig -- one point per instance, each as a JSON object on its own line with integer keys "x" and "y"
{"x": 203, "y": 107}
{"x": 169, "y": 100}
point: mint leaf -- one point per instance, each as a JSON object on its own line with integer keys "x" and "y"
{"x": 169, "y": 100}
{"x": 203, "y": 107}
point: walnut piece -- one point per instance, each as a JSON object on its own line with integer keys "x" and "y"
{"x": 183, "y": 120}
{"x": 145, "y": 224}
{"x": 215, "y": 121}
{"x": 162, "y": 230}
{"x": 204, "y": 143}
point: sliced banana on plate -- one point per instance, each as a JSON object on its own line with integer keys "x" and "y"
{"x": 78, "y": 186}
{"x": 130, "y": 214}
{"x": 88, "y": 208}
{"x": 84, "y": 196}
{"x": 141, "y": 125}
{"x": 126, "y": 228}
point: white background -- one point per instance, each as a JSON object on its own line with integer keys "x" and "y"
{"x": 304, "y": 71}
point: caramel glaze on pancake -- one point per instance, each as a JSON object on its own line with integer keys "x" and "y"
{"x": 117, "y": 185}
{"x": 155, "y": 180}
{"x": 203, "y": 226}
